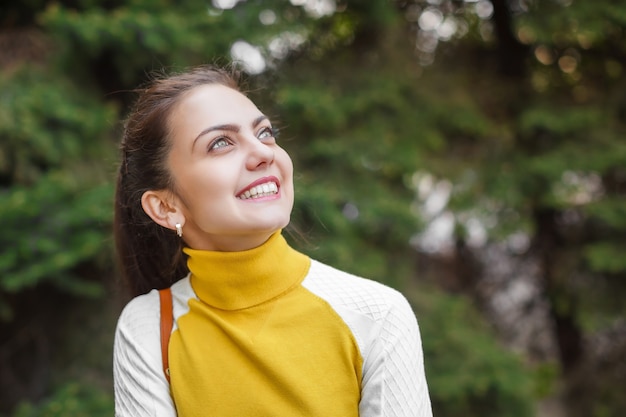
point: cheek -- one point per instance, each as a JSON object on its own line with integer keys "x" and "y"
{"x": 286, "y": 164}
{"x": 288, "y": 178}
{"x": 202, "y": 189}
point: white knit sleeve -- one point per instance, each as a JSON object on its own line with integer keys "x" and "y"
{"x": 141, "y": 389}
{"x": 394, "y": 382}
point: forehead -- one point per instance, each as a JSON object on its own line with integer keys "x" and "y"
{"x": 214, "y": 104}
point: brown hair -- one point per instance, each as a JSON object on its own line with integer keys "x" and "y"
{"x": 150, "y": 256}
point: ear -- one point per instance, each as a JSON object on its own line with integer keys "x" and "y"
{"x": 161, "y": 206}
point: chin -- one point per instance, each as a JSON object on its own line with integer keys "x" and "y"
{"x": 278, "y": 226}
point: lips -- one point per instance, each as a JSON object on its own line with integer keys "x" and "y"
{"x": 263, "y": 187}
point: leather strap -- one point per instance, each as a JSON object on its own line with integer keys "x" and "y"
{"x": 167, "y": 321}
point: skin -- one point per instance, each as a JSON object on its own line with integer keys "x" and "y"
{"x": 222, "y": 145}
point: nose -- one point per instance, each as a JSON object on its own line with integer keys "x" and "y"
{"x": 259, "y": 155}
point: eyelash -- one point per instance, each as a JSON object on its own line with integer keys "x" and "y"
{"x": 268, "y": 129}
{"x": 213, "y": 144}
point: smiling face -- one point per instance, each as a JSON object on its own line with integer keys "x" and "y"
{"x": 233, "y": 185}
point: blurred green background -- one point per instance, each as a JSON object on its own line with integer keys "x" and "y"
{"x": 470, "y": 153}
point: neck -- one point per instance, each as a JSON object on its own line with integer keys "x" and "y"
{"x": 225, "y": 243}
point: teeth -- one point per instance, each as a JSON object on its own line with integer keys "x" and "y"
{"x": 263, "y": 190}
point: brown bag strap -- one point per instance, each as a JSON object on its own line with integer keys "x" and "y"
{"x": 167, "y": 321}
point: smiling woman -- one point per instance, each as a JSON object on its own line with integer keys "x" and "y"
{"x": 259, "y": 329}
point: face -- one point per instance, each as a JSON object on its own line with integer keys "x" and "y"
{"x": 233, "y": 183}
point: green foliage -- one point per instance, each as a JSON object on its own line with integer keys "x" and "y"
{"x": 468, "y": 372}
{"x": 606, "y": 257}
{"x": 54, "y": 199}
{"x": 552, "y": 137}
{"x": 544, "y": 376}
{"x": 118, "y": 45}
{"x": 568, "y": 123}
{"x": 53, "y": 227}
{"x": 351, "y": 190}
{"x": 72, "y": 399}
{"x": 550, "y": 162}
{"x": 164, "y": 38}
{"x": 46, "y": 122}
{"x": 610, "y": 211}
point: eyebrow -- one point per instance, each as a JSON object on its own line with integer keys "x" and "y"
{"x": 229, "y": 127}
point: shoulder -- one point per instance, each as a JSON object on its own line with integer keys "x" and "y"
{"x": 377, "y": 315}
{"x": 140, "y": 313}
{"x": 136, "y": 350}
{"x": 374, "y": 312}
{"x": 347, "y": 291}
{"x": 140, "y": 319}
{"x": 137, "y": 330}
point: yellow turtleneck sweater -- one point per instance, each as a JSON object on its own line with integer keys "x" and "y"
{"x": 255, "y": 342}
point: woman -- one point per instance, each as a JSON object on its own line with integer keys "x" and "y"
{"x": 259, "y": 329}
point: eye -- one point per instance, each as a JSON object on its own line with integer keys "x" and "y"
{"x": 219, "y": 143}
{"x": 265, "y": 133}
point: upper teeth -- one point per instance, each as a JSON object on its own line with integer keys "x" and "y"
{"x": 262, "y": 190}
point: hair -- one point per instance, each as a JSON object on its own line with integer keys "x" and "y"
{"x": 149, "y": 255}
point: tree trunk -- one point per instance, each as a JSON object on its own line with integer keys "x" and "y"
{"x": 548, "y": 245}
{"x": 512, "y": 53}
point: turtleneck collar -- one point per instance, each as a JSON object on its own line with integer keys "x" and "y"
{"x": 238, "y": 280}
